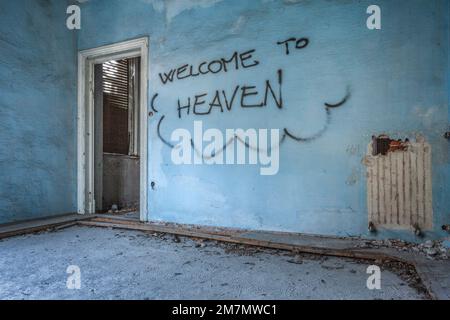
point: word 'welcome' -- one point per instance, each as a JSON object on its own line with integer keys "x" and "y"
{"x": 236, "y": 61}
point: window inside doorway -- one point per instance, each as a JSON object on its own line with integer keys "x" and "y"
{"x": 120, "y": 114}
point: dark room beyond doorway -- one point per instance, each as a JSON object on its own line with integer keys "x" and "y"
{"x": 116, "y": 104}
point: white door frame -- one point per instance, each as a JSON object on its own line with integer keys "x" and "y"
{"x": 85, "y": 119}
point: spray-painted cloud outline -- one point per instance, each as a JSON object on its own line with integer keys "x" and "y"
{"x": 286, "y": 132}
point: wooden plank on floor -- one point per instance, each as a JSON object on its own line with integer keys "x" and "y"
{"x": 151, "y": 228}
{"x": 204, "y": 229}
{"x": 243, "y": 238}
{"x": 30, "y": 226}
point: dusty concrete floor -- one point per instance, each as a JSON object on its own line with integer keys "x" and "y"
{"x": 117, "y": 264}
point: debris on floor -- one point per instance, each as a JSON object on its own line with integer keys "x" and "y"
{"x": 122, "y": 211}
{"x": 114, "y": 209}
{"x": 405, "y": 271}
{"x": 435, "y": 250}
{"x": 163, "y": 268}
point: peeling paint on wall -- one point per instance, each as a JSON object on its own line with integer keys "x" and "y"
{"x": 173, "y": 8}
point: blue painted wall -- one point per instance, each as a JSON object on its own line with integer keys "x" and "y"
{"x": 37, "y": 110}
{"x": 397, "y": 77}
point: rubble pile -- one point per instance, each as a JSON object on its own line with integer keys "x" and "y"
{"x": 434, "y": 250}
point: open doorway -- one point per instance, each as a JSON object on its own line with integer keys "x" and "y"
{"x": 112, "y": 129}
{"x": 116, "y": 104}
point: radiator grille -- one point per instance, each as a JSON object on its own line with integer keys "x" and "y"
{"x": 399, "y": 187}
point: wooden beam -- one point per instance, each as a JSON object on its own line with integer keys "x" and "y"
{"x": 30, "y": 226}
{"x": 239, "y": 238}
